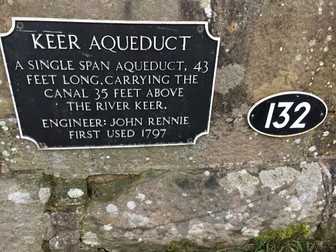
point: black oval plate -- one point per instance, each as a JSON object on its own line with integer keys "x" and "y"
{"x": 287, "y": 114}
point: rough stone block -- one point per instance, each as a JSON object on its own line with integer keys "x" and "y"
{"x": 22, "y": 201}
{"x": 207, "y": 207}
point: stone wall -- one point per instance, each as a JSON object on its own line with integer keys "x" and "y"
{"x": 232, "y": 185}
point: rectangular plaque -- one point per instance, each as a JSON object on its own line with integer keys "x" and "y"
{"x": 93, "y": 84}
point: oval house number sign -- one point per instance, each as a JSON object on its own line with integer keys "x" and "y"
{"x": 287, "y": 114}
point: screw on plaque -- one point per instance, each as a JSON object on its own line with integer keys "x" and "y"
{"x": 20, "y": 25}
{"x": 200, "y": 28}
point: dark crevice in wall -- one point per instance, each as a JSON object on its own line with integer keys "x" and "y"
{"x": 232, "y": 19}
{"x": 326, "y": 229}
{"x": 109, "y": 187}
{"x": 45, "y": 246}
{"x": 191, "y": 11}
{"x": 186, "y": 9}
{"x": 128, "y": 9}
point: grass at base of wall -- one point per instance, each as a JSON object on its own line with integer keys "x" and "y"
{"x": 296, "y": 238}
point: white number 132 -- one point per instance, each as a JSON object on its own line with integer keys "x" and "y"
{"x": 286, "y": 117}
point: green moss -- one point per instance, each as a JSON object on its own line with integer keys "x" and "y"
{"x": 109, "y": 187}
{"x": 293, "y": 238}
{"x": 185, "y": 245}
{"x": 47, "y": 181}
{"x": 298, "y": 231}
{"x": 173, "y": 246}
{"x": 296, "y": 238}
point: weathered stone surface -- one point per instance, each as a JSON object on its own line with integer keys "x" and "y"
{"x": 22, "y": 201}
{"x": 207, "y": 208}
{"x": 239, "y": 144}
{"x": 280, "y": 52}
{"x": 229, "y": 77}
{"x": 232, "y": 185}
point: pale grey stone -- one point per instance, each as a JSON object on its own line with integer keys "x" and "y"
{"x": 278, "y": 177}
{"x": 229, "y": 77}
{"x": 21, "y": 213}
